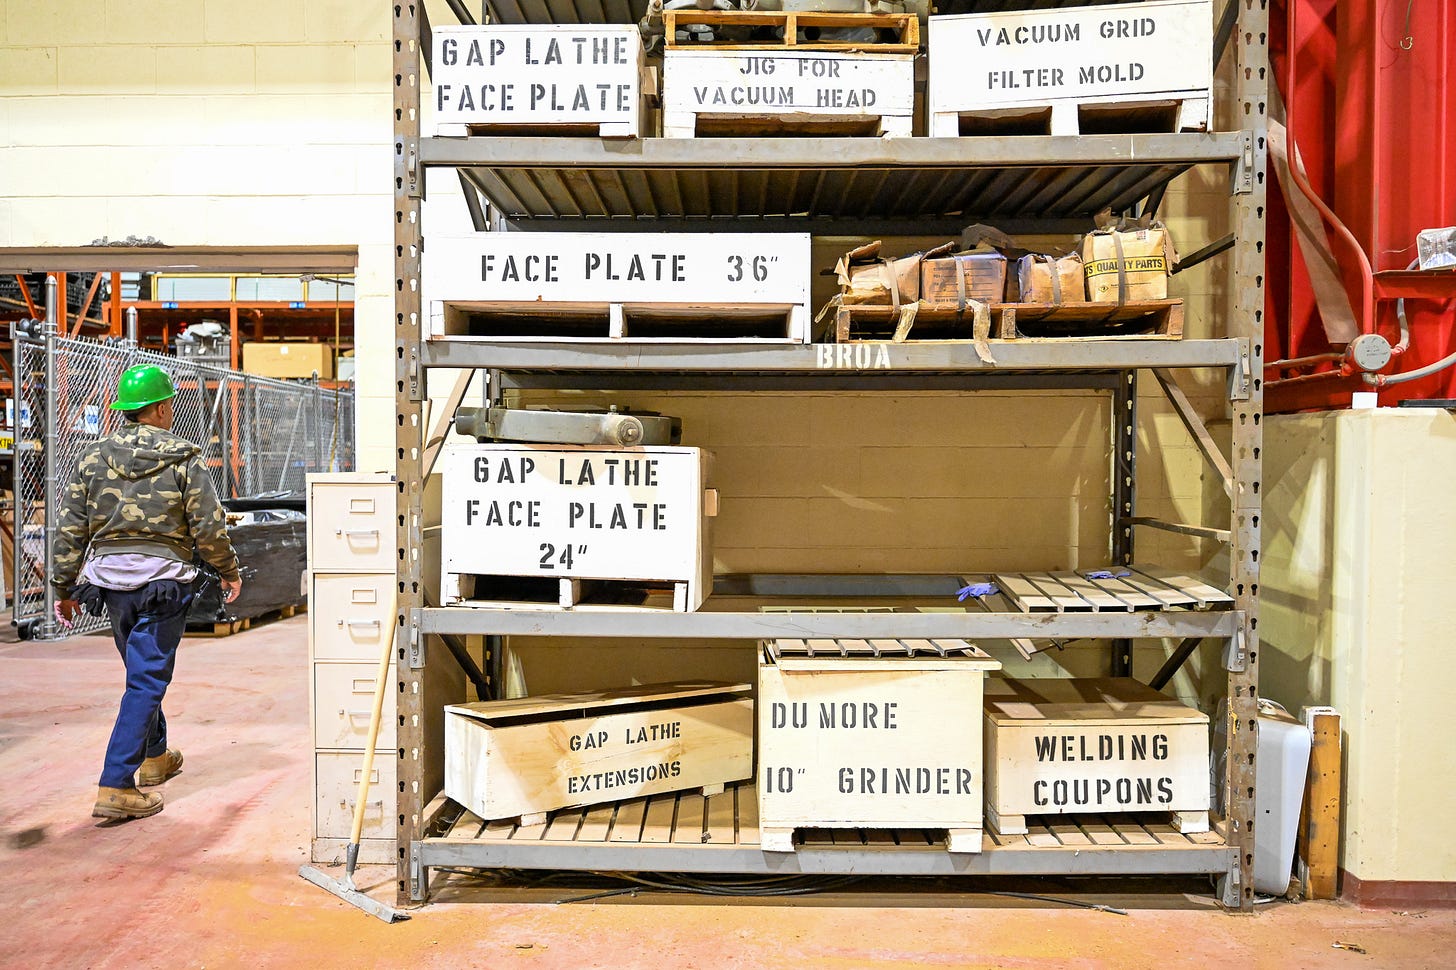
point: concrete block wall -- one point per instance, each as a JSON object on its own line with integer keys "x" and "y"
{"x": 208, "y": 122}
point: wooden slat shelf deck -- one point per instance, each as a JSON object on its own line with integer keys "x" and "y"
{"x": 1120, "y": 589}
{"x": 1139, "y": 601}
{"x": 687, "y": 832}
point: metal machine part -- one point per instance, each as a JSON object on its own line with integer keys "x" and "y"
{"x": 584, "y": 427}
{"x": 1369, "y": 352}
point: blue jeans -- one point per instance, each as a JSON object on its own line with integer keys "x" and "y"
{"x": 147, "y": 625}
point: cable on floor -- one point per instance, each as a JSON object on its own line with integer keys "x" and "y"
{"x": 746, "y": 885}
{"x": 1060, "y": 900}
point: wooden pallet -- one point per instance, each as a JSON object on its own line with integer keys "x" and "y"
{"x": 1090, "y": 116}
{"x": 568, "y": 593}
{"x": 1131, "y": 828}
{"x": 786, "y": 839}
{"x": 731, "y": 819}
{"x": 784, "y": 125}
{"x": 877, "y": 649}
{"x": 628, "y": 322}
{"x": 794, "y": 30}
{"x": 1131, "y": 588}
{"x": 1142, "y": 320}
{"x": 230, "y": 627}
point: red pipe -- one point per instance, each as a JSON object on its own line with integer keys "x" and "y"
{"x": 1367, "y": 276}
{"x": 1301, "y": 361}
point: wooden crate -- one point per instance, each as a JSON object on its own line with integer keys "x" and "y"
{"x": 870, "y": 734}
{"x": 574, "y": 521}
{"x": 1068, "y": 71}
{"x": 526, "y": 757}
{"x": 1064, "y": 747}
{"x": 539, "y": 80}
{"x": 643, "y": 287}
{"x": 708, "y": 92}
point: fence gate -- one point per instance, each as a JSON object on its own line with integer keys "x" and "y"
{"x": 257, "y": 436}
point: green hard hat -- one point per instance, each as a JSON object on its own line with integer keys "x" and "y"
{"x": 142, "y": 385}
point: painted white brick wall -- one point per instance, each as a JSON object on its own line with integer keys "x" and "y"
{"x": 208, "y": 122}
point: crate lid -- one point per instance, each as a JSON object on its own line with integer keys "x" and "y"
{"x": 1109, "y": 700}
{"x": 876, "y": 654}
{"x": 557, "y": 704}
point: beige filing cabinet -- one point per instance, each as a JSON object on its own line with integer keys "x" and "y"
{"x": 351, "y": 561}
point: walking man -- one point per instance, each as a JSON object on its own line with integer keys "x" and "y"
{"x": 138, "y": 505}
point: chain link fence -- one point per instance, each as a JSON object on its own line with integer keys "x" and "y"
{"x": 258, "y": 437}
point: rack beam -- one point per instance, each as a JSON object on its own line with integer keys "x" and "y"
{"x": 764, "y": 626}
{"x": 1084, "y": 860}
{"x": 828, "y": 360}
{"x": 822, "y": 154}
{"x": 633, "y": 381}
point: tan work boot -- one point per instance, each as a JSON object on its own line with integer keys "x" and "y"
{"x": 125, "y": 803}
{"x": 159, "y": 769}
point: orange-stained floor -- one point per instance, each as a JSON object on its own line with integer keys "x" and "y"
{"x": 212, "y": 881}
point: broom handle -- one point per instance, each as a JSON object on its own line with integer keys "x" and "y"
{"x": 385, "y": 651}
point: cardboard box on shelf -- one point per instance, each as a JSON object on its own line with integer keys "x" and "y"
{"x": 281, "y": 359}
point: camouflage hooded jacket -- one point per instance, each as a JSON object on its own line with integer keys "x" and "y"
{"x": 142, "y": 490}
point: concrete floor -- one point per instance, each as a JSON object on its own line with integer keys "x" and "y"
{"x": 212, "y": 881}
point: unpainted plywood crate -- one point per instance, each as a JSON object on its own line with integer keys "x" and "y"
{"x": 1057, "y": 746}
{"x": 523, "y": 758}
{"x": 879, "y": 734}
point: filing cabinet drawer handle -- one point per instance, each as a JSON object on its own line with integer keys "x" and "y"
{"x": 350, "y": 803}
{"x": 353, "y": 714}
{"x": 353, "y": 533}
{"x": 359, "y": 622}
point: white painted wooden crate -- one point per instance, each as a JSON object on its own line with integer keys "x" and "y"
{"x": 712, "y": 278}
{"x": 575, "y": 515}
{"x": 525, "y": 757}
{"x": 810, "y": 88}
{"x": 851, "y": 739}
{"x": 1063, "y": 747}
{"x": 539, "y": 77}
{"x": 1068, "y": 58}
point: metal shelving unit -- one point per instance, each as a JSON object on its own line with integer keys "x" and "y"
{"x": 824, "y": 186}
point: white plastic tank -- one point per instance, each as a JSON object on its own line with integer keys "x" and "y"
{"x": 1280, "y": 771}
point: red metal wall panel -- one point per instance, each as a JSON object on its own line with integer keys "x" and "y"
{"x": 1374, "y": 100}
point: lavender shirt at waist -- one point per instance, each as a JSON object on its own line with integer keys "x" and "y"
{"x": 130, "y": 570}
